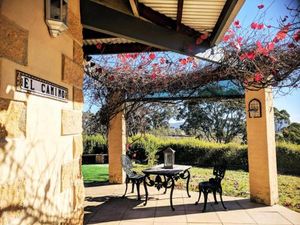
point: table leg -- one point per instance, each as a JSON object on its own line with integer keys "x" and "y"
{"x": 138, "y": 182}
{"x": 146, "y": 190}
{"x": 166, "y": 187}
{"x": 187, "y": 183}
{"x": 171, "y": 193}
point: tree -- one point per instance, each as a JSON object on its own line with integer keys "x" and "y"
{"x": 148, "y": 117}
{"x": 292, "y": 133}
{"x": 217, "y": 121}
{"x": 91, "y": 124}
{"x": 282, "y": 119}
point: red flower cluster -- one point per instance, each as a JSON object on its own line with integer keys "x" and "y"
{"x": 257, "y": 26}
{"x": 282, "y": 33}
{"x": 264, "y": 50}
{"x": 258, "y": 77}
{"x": 237, "y": 24}
{"x": 133, "y": 56}
{"x": 201, "y": 38}
{"x": 99, "y": 46}
{"x": 111, "y": 78}
{"x": 247, "y": 55}
{"x": 183, "y": 61}
{"x": 152, "y": 56}
{"x": 297, "y": 36}
{"x": 228, "y": 35}
{"x": 153, "y": 76}
{"x": 260, "y": 6}
{"x": 259, "y": 50}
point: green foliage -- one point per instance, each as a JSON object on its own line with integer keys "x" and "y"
{"x": 197, "y": 152}
{"x": 165, "y": 131}
{"x": 288, "y": 158}
{"x": 292, "y": 133}
{"x": 193, "y": 151}
{"x": 148, "y": 144}
{"x": 94, "y": 144}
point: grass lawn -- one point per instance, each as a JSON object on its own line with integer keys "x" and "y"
{"x": 95, "y": 173}
{"x": 235, "y": 183}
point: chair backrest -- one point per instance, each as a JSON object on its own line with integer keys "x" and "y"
{"x": 127, "y": 165}
{"x": 219, "y": 172}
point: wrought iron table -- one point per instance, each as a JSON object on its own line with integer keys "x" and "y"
{"x": 169, "y": 177}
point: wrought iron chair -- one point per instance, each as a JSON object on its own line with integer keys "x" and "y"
{"x": 213, "y": 185}
{"x": 132, "y": 176}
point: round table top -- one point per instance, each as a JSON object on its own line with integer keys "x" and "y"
{"x": 160, "y": 170}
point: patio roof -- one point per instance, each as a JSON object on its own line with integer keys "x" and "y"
{"x": 153, "y": 25}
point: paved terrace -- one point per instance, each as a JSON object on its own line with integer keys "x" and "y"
{"x": 104, "y": 205}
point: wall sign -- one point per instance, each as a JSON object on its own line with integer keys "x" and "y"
{"x": 34, "y": 85}
{"x": 254, "y": 108}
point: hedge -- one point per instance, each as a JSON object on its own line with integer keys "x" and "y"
{"x": 94, "y": 144}
{"x": 191, "y": 151}
{"x": 288, "y": 158}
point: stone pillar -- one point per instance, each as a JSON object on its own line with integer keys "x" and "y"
{"x": 262, "y": 149}
{"x": 116, "y": 147}
{"x": 40, "y": 134}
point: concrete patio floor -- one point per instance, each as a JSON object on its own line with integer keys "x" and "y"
{"x": 104, "y": 205}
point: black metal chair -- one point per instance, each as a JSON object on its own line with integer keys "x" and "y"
{"x": 132, "y": 176}
{"x": 213, "y": 185}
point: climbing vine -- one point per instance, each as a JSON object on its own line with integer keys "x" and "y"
{"x": 251, "y": 57}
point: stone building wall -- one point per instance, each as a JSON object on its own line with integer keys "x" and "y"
{"x": 40, "y": 138}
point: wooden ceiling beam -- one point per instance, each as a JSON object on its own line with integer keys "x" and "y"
{"x": 103, "y": 19}
{"x": 90, "y": 34}
{"x": 117, "y": 48}
{"x": 134, "y": 7}
{"x": 179, "y": 13}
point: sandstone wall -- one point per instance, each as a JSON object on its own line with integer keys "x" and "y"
{"x": 40, "y": 138}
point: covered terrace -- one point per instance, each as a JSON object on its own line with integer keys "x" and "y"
{"x": 189, "y": 28}
{"x": 143, "y": 26}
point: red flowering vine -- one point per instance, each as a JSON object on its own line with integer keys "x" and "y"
{"x": 253, "y": 60}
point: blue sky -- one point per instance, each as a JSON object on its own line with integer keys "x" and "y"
{"x": 274, "y": 9}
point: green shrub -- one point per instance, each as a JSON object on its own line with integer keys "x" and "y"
{"x": 94, "y": 144}
{"x": 144, "y": 148}
{"x": 195, "y": 152}
{"x": 288, "y": 158}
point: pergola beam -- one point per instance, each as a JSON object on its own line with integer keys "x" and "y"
{"x": 90, "y": 34}
{"x": 179, "y": 13}
{"x": 106, "y": 20}
{"x": 134, "y": 7}
{"x": 118, "y": 48}
{"x": 185, "y": 98}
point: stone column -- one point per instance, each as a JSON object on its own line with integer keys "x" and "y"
{"x": 116, "y": 147}
{"x": 262, "y": 149}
